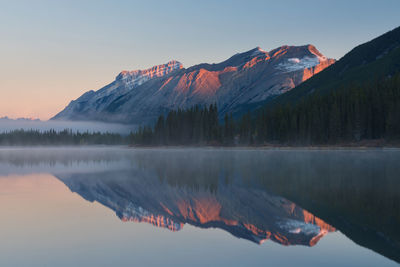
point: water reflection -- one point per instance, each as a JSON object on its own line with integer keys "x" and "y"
{"x": 140, "y": 195}
{"x": 290, "y": 197}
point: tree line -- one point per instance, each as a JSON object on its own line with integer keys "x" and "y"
{"x": 348, "y": 114}
{"x": 65, "y": 137}
{"x": 196, "y": 125}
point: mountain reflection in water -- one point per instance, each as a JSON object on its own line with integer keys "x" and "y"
{"x": 292, "y": 197}
{"x": 140, "y": 196}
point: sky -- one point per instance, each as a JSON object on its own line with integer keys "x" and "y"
{"x": 53, "y": 51}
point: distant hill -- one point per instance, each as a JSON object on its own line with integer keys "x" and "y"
{"x": 27, "y": 124}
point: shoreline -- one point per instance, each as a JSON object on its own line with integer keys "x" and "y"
{"x": 353, "y": 146}
{"x": 272, "y": 147}
{"x": 378, "y": 144}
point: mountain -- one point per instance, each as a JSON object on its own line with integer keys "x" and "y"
{"x": 7, "y": 119}
{"x": 376, "y": 59}
{"x": 354, "y": 101}
{"x": 239, "y": 84}
{"x": 138, "y": 196}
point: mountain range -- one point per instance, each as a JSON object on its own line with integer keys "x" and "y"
{"x": 242, "y": 83}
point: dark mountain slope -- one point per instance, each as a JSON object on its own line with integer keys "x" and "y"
{"x": 376, "y": 59}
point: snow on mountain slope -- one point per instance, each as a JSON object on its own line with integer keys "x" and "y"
{"x": 137, "y": 77}
{"x": 239, "y": 84}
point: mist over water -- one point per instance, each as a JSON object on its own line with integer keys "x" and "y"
{"x": 7, "y": 125}
{"x": 233, "y": 206}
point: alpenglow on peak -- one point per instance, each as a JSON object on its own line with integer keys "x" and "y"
{"x": 239, "y": 84}
{"x": 135, "y": 78}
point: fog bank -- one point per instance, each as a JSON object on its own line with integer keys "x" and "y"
{"x": 7, "y": 124}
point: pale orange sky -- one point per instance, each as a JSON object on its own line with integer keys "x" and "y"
{"x": 51, "y": 52}
{"x": 44, "y": 92}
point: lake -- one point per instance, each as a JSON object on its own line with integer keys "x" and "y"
{"x": 108, "y": 206}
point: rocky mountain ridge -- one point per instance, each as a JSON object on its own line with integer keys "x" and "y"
{"x": 239, "y": 84}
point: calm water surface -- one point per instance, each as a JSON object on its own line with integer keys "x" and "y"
{"x": 107, "y": 206}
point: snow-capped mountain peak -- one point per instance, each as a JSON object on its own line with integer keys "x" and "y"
{"x": 237, "y": 85}
{"x": 308, "y": 58}
{"x": 137, "y": 77}
{"x": 258, "y": 51}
